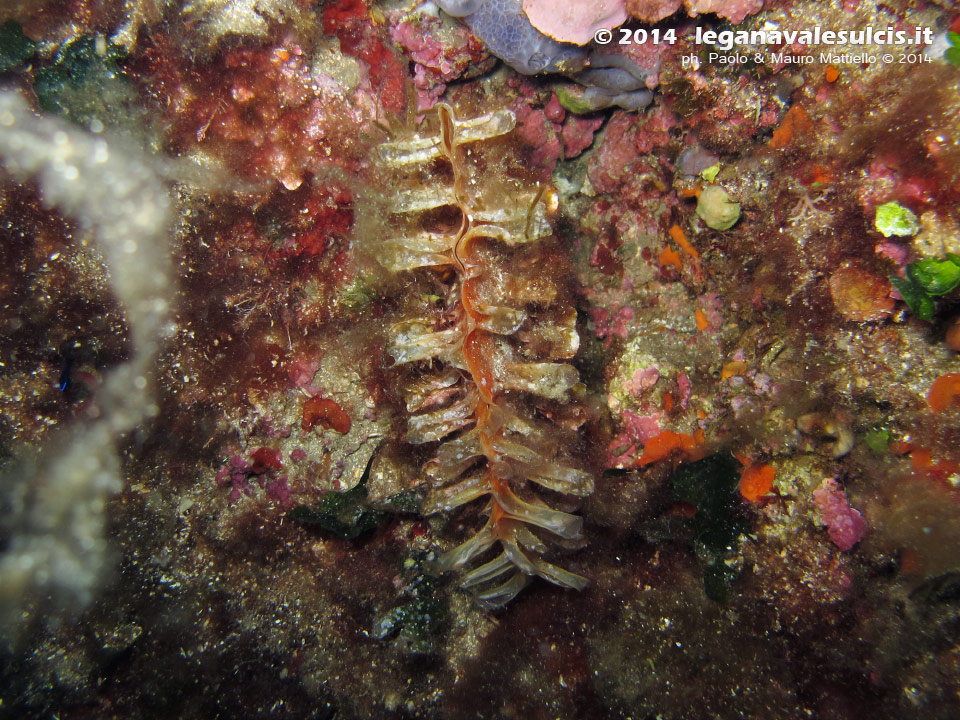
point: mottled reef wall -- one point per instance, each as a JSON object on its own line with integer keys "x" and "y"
{"x": 217, "y": 336}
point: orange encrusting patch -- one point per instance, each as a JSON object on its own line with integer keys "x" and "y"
{"x": 821, "y": 176}
{"x": 832, "y": 74}
{"x": 944, "y": 392}
{"x": 326, "y": 413}
{"x": 756, "y": 481}
{"x": 701, "y": 317}
{"x": 680, "y": 238}
{"x": 734, "y": 367}
{"x": 669, "y": 256}
{"x": 795, "y": 122}
{"x": 816, "y": 175}
{"x": 667, "y": 442}
{"x": 921, "y": 460}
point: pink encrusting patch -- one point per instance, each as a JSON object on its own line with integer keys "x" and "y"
{"x": 574, "y": 21}
{"x": 845, "y": 525}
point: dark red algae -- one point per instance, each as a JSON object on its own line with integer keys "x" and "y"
{"x": 347, "y": 372}
{"x": 326, "y": 413}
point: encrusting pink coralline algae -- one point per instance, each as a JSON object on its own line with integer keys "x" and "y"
{"x": 845, "y": 525}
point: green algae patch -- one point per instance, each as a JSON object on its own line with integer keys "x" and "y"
{"x": 711, "y": 486}
{"x": 925, "y": 280}
{"x": 415, "y": 625}
{"x": 15, "y": 47}
{"x": 710, "y": 174}
{"x": 345, "y": 514}
{"x": 572, "y": 100}
{"x": 407, "y": 502}
{"x": 85, "y": 83}
{"x": 952, "y": 53}
{"x": 919, "y": 303}
{"x": 359, "y": 296}
{"x": 893, "y": 219}
{"x": 878, "y": 441}
{"x": 934, "y": 276}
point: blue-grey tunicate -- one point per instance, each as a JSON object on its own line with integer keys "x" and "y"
{"x": 507, "y": 32}
{"x": 610, "y": 78}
